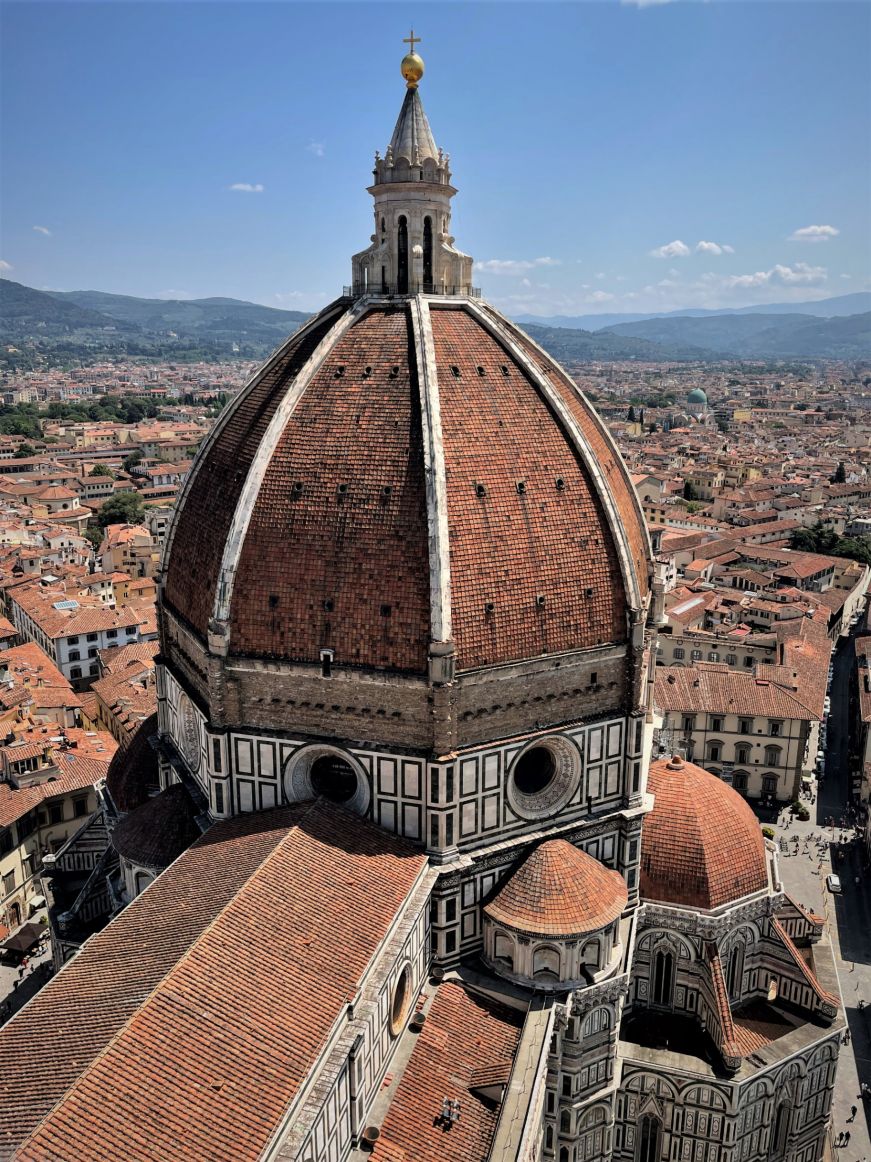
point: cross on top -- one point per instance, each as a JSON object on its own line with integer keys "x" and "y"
{"x": 411, "y": 41}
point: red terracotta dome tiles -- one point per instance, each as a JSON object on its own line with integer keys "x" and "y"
{"x": 546, "y": 558}
{"x": 344, "y": 570}
{"x": 560, "y": 891}
{"x": 608, "y": 460}
{"x": 204, "y": 520}
{"x": 701, "y": 846}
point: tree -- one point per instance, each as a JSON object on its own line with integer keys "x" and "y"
{"x": 95, "y": 536}
{"x": 631, "y": 414}
{"x": 101, "y": 470}
{"x": 129, "y": 462}
{"x": 840, "y": 476}
{"x": 26, "y": 450}
{"x": 689, "y": 491}
{"x": 124, "y": 508}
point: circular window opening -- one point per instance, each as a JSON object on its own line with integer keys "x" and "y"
{"x": 534, "y": 770}
{"x": 401, "y": 998}
{"x": 334, "y": 778}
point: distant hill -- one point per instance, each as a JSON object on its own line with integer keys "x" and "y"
{"x": 569, "y": 345}
{"x": 852, "y": 304}
{"x": 66, "y": 329}
{"x": 25, "y": 311}
{"x": 218, "y": 318}
{"x": 758, "y": 336}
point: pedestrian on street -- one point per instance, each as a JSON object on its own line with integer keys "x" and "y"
{"x": 847, "y": 1138}
{"x": 838, "y": 1139}
{"x": 852, "y": 1116}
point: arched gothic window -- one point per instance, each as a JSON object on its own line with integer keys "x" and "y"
{"x": 735, "y": 971}
{"x": 565, "y": 1122}
{"x": 402, "y": 256}
{"x": 648, "y": 1139}
{"x": 427, "y": 254}
{"x": 780, "y": 1132}
{"x": 663, "y": 977}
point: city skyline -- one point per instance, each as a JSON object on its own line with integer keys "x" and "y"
{"x": 639, "y": 158}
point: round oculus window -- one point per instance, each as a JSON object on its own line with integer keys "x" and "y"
{"x": 543, "y": 778}
{"x": 323, "y": 771}
{"x": 334, "y": 778}
{"x": 534, "y": 770}
{"x": 401, "y": 1000}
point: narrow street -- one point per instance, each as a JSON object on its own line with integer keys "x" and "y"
{"x": 804, "y": 867}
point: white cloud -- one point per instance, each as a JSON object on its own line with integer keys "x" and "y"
{"x": 846, "y": 276}
{"x": 814, "y": 234}
{"x": 6, "y": 265}
{"x": 317, "y": 148}
{"x": 600, "y": 297}
{"x": 798, "y": 275}
{"x": 247, "y": 187}
{"x": 600, "y": 275}
{"x": 514, "y": 265}
{"x": 43, "y": 230}
{"x": 676, "y": 249}
{"x": 713, "y": 248}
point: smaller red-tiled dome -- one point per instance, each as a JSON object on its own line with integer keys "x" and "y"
{"x": 701, "y": 845}
{"x": 559, "y": 891}
{"x": 158, "y": 832}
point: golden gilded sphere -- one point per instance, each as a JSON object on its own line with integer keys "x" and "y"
{"x": 412, "y": 69}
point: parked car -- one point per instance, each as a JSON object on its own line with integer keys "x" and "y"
{"x": 827, "y": 705}
{"x": 833, "y": 882}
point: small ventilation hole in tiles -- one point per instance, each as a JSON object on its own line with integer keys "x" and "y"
{"x": 504, "y": 369}
{"x": 539, "y": 601}
{"x": 386, "y": 492}
{"x": 329, "y": 605}
{"x": 273, "y": 600}
{"x": 297, "y": 487}
{"x": 455, "y": 371}
{"x": 521, "y": 487}
{"x": 588, "y": 592}
{"x": 394, "y": 373}
{"x": 342, "y": 489}
{"x": 480, "y": 490}
{"x": 489, "y": 606}
{"x": 339, "y": 372}
{"x": 386, "y": 610}
{"x": 367, "y": 371}
{"x": 481, "y": 370}
{"x": 560, "y": 484}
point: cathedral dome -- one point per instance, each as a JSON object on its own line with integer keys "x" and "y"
{"x": 701, "y": 845}
{"x": 559, "y": 891}
{"x": 403, "y": 472}
{"x": 697, "y": 396}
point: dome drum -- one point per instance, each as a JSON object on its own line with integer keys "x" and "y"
{"x": 554, "y": 924}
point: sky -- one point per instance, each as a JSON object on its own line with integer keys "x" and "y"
{"x": 610, "y": 156}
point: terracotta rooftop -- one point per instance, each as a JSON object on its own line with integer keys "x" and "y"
{"x": 559, "y": 890}
{"x": 538, "y": 562}
{"x": 701, "y": 845}
{"x": 125, "y": 1053}
{"x": 465, "y": 1040}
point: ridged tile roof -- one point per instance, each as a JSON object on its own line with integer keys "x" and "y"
{"x": 701, "y": 845}
{"x": 466, "y": 1042}
{"x": 559, "y": 891}
{"x": 185, "y": 1028}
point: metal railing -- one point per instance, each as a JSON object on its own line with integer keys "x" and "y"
{"x": 412, "y": 288}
